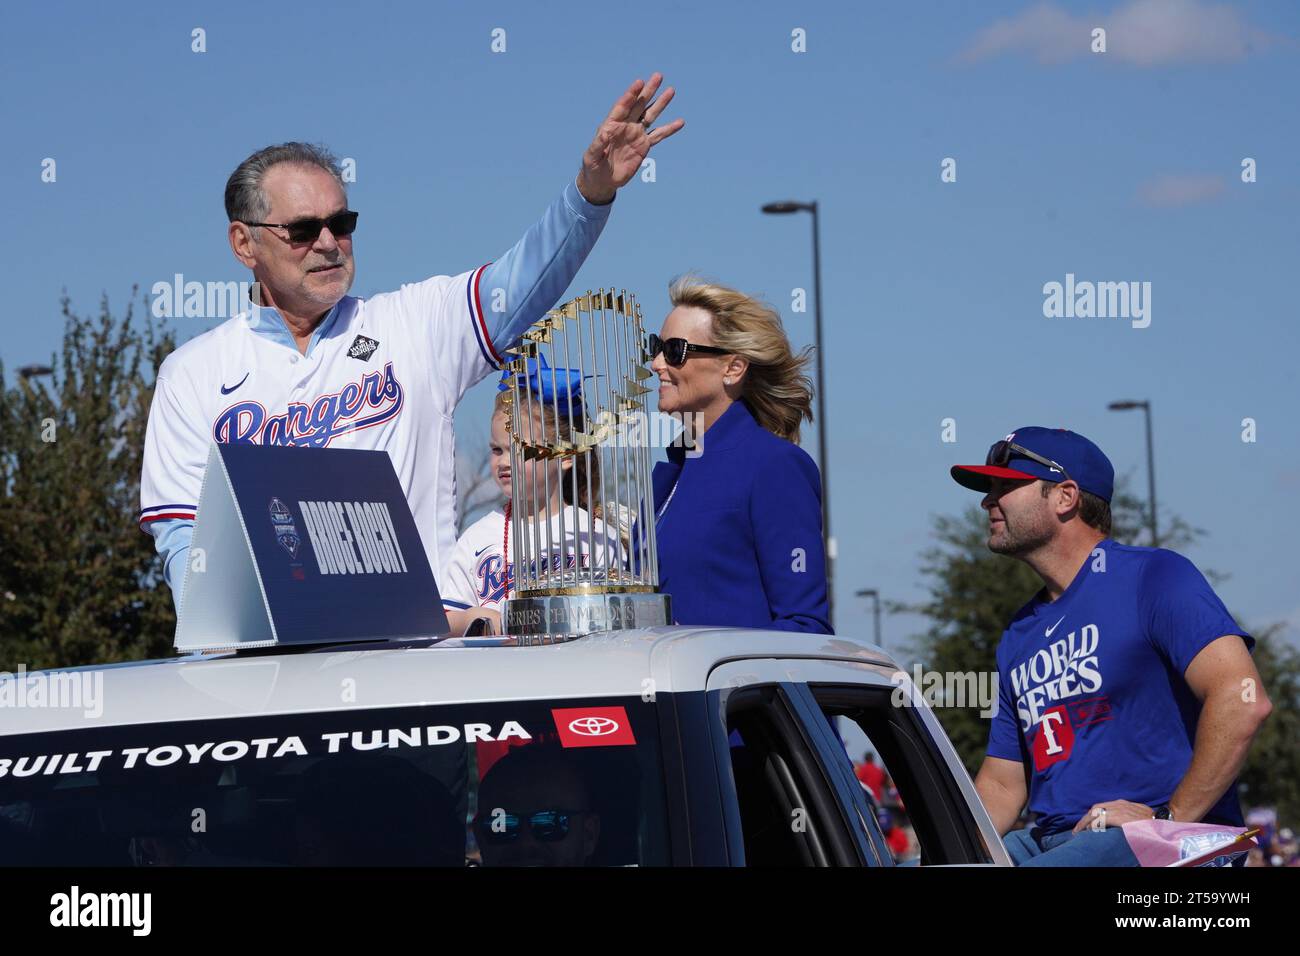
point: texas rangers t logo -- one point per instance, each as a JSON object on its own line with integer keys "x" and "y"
{"x": 1055, "y": 739}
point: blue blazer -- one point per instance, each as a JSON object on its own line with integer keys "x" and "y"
{"x": 740, "y": 543}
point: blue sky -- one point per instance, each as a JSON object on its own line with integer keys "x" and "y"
{"x": 1115, "y": 166}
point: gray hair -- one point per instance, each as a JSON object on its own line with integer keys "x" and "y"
{"x": 245, "y": 201}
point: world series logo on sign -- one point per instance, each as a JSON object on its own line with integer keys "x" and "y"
{"x": 286, "y": 532}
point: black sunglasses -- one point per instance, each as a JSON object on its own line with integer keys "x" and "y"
{"x": 308, "y": 230}
{"x": 1001, "y": 452}
{"x": 547, "y": 826}
{"x": 676, "y": 351}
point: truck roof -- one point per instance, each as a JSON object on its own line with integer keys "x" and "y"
{"x": 610, "y": 664}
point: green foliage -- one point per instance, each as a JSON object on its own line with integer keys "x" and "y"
{"x": 973, "y": 594}
{"x": 79, "y": 582}
{"x": 1271, "y": 776}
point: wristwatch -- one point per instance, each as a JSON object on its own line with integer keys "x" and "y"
{"x": 1162, "y": 812}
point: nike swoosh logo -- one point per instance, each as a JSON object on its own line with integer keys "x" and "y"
{"x": 1053, "y": 627}
{"x": 481, "y": 550}
{"x": 227, "y": 391}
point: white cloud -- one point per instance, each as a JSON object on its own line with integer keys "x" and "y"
{"x": 1046, "y": 31}
{"x": 1181, "y": 190}
{"x": 1142, "y": 33}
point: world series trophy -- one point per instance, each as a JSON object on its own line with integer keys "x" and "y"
{"x": 580, "y": 520}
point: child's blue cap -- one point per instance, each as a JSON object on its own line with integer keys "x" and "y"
{"x": 545, "y": 382}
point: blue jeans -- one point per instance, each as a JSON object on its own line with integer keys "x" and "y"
{"x": 1030, "y": 847}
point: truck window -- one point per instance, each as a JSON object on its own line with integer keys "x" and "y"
{"x": 788, "y": 812}
{"x": 883, "y": 800}
{"x": 519, "y": 783}
{"x": 918, "y": 790}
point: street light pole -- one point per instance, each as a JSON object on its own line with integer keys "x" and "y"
{"x": 875, "y": 598}
{"x": 828, "y": 541}
{"x": 1151, "y": 464}
{"x": 823, "y": 447}
{"x": 1151, "y": 476}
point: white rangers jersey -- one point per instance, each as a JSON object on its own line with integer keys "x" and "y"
{"x": 479, "y": 575}
{"x": 382, "y": 373}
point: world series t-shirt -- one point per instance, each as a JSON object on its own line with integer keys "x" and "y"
{"x": 1091, "y": 692}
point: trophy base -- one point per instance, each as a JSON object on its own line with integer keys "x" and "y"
{"x": 550, "y": 618}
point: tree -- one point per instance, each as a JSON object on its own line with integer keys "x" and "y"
{"x": 79, "y": 582}
{"x": 973, "y": 594}
{"x": 476, "y": 485}
{"x": 1271, "y": 776}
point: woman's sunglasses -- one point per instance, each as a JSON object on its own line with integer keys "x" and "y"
{"x": 547, "y": 826}
{"x": 308, "y": 230}
{"x": 1001, "y": 452}
{"x": 676, "y": 351}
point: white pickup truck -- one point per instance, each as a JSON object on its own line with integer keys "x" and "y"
{"x": 670, "y": 746}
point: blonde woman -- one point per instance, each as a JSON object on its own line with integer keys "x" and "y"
{"x": 739, "y": 518}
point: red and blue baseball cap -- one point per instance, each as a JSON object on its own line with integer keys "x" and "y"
{"x": 1052, "y": 454}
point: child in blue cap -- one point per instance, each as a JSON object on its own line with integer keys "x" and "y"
{"x": 480, "y": 575}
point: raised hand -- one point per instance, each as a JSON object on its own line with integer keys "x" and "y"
{"x": 624, "y": 138}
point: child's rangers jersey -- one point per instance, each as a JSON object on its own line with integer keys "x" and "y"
{"x": 479, "y": 574}
{"x": 385, "y": 372}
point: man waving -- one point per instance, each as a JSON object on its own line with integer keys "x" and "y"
{"x": 310, "y": 365}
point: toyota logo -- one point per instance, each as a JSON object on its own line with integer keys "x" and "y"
{"x": 594, "y": 726}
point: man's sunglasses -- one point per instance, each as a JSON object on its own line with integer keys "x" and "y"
{"x": 676, "y": 351}
{"x": 547, "y": 826}
{"x": 1001, "y": 452}
{"x": 308, "y": 230}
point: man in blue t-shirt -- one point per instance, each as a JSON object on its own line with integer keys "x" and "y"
{"x": 1126, "y": 690}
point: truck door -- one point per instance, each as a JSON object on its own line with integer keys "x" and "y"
{"x": 783, "y": 806}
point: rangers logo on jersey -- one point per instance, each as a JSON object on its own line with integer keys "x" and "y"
{"x": 495, "y": 576}
{"x": 317, "y": 423}
{"x": 494, "y": 583}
